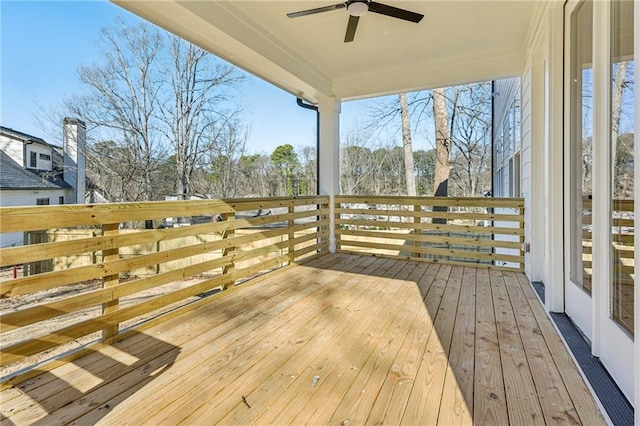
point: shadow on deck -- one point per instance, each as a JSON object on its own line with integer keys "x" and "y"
{"x": 343, "y": 339}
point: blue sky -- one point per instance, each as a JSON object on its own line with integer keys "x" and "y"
{"x": 44, "y": 42}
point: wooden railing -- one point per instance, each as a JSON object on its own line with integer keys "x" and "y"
{"x": 115, "y": 278}
{"x": 460, "y": 231}
{"x": 92, "y": 274}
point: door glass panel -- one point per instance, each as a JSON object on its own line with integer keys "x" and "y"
{"x": 622, "y": 162}
{"x": 581, "y": 145}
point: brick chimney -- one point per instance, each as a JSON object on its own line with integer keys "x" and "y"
{"x": 74, "y": 139}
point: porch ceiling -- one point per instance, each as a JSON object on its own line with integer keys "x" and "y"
{"x": 456, "y": 42}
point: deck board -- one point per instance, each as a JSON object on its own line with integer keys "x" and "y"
{"x": 344, "y": 339}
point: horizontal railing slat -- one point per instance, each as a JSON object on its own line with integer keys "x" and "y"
{"x": 443, "y": 229}
{"x": 443, "y": 239}
{"x": 20, "y": 219}
{"x": 432, "y": 201}
{"x": 435, "y": 251}
{"x": 287, "y": 229}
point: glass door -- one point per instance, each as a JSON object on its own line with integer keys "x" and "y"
{"x": 579, "y": 162}
{"x": 616, "y": 301}
{"x": 599, "y": 207}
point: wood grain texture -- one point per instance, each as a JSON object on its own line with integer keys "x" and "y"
{"x": 341, "y": 339}
{"x": 522, "y": 400}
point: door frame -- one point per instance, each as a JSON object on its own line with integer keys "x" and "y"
{"x": 613, "y": 345}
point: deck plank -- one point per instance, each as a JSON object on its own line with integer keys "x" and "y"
{"x": 456, "y": 405}
{"x": 580, "y": 395}
{"x": 392, "y": 399}
{"x": 555, "y": 402}
{"x": 318, "y": 332}
{"x": 98, "y": 363}
{"x": 424, "y": 403}
{"x": 356, "y": 404}
{"x": 196, "y": 332}
{"x": 300, "y": 370}
{"x": 523, "y": 405}
{"x": 489, "y": 400}
{"x": 234, "y": 352}
{"x": 310, "y": 408}
{"x": 391, "y": 341}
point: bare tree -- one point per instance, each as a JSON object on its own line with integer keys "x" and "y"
{"x": 225, "y": 146}
{"x": 470, "y": 133}
{"x": 197, "y": 86}
{"x": 407, "y": 145}
{"x": 443, "y": 143}
{"x": 123, "y": 95}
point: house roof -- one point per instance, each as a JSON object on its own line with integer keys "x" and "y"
{"x": 15, "y": 134}
{"x": 456, "y": 42}
{"x": 13, "y": 177}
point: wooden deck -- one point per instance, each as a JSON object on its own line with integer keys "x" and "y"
{"x": 344, "y": 339}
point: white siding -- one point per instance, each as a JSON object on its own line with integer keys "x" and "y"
{"x": 26, "y": 197}
{"x": 40, "y": 150}
{"x": 525, "y": 158}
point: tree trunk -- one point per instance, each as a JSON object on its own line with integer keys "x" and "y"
{"x": 407, "y": 145}
{"x": 616, "y": 108}
{"x": 442, "y": 169}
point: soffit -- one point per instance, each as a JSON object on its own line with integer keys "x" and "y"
{"x": 456, "y": 42}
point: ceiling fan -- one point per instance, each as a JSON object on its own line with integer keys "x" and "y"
{"x": 356, "y": 9}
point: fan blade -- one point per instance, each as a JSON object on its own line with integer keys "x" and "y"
{"x": 351, "y": 28}
{"x": 317, "y": 10}
{"x": 394, "y": 12}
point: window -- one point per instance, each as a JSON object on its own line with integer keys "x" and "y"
{"x": 60, "y": 200}
{"x": 42, "y": 201}
{"x": 45, "y": 157}
{"x": 580, "y": 145}
{"x": 621, "y": 247}
{"x": 33, "y": 159}
{"x": 511, "y": 178}
{"x": 516, "y": 176}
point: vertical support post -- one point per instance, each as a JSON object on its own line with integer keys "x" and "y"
{"x": 335, "y": 216}
{"x": 636, "y": 189}
{"x": 416, "y": 230}
{"x": 534, "y": 222}
{"x": 553, "y": 164}
{"x": 329, "y": 157}
{"x": 291, "y": 236}
{"x": 110, "y": 255}
{"x": 522, "y": 239}
{"x": 229, "y": 251}
{"x": 325, "y": 245}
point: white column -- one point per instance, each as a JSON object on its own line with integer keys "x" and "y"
{"x": 536, "y": 207}
{"x": 636, "y": 148}
{"x": 329, "y": 157}
{"x": 553, "y": 167}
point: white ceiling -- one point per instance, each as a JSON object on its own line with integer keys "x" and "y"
{"x": 456, "y": 42}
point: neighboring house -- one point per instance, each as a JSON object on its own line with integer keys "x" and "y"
{"x": 507, "y": 147}
{"x": 35, "y": 172}
{"x": 507, "y": 143}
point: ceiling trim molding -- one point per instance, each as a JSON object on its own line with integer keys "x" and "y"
{"x": 430, "y": 75}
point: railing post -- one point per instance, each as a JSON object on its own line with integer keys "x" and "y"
{"x": 291, "y": 235}
{"x": 110, "y": 255}
{"x": 327, "y": 209}
{"x": 228, "y": 251}
{"x": 416, "y": 230}
{"x": 333, "y": 224}
{"x": 522, "y": 240}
